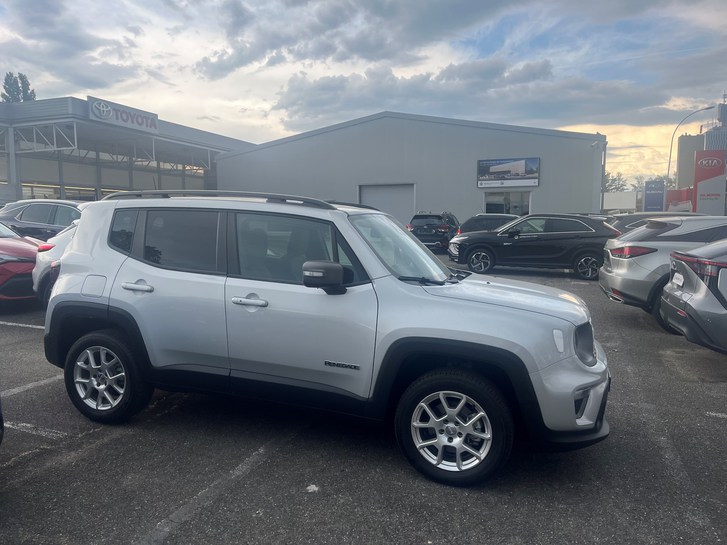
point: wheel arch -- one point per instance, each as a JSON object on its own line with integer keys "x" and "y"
{"x": 407, "y": 359}
{"x": 70, "y": 321}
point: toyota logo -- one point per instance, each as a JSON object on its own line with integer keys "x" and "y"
{"x": 101, "y": 110}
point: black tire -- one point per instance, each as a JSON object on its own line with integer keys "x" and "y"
{"x": 586, "y": 265}
{"x": 44, "y": 294}
{"x": 450, "y": 461}
{"x": 656, "y": 312}
{"x": 103, "y": 379}
{"x": 480, "y": 260}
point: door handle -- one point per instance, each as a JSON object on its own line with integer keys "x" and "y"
{"x": 132, "y": 286}
{"x": 249, "y": 302}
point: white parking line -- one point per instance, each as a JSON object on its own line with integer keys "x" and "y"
{"x": 204, "y": 498}
{"x": 30, "y": 326}
{"x": 717, "y": 415}
{"x": 13, "y": 391}
{"x": 35, "y": 430}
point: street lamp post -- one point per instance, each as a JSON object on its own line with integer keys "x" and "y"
{"x": 671, "y": 143}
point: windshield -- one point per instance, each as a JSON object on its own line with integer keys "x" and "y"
{"x": 400, "y": 251}
{"x": 7, "y": 232}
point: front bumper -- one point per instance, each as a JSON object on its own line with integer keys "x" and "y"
{"x": 572, "y": 399}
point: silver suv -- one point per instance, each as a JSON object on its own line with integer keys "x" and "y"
{"x": 636, "y": 265}
{"x": 334, "y": 306}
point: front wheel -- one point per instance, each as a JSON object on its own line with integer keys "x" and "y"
{"x": 455, "y": 427}
{"x": 586, "y": 266}
{"x": 103, "y": 379}
{"x": 480, "y": 261}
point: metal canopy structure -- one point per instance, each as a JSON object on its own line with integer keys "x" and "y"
{"x": 64, "y": 132}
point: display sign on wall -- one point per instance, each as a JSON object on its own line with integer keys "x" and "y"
{"x": 654, "y": 192}
{"x": 518, "y": 172}
{"x": 122, "y": 116}
{"x": 709, "y": 182}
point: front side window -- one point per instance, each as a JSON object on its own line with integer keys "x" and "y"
{"x": 535, "y": 225}
{"x": 398, "y": 250}
{"x": 182, "y": 239}
{"x": 274, "y": 247}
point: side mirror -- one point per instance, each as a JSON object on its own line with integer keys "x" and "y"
{"x": 326, "y": 275}
{"x": 512, "y": 233}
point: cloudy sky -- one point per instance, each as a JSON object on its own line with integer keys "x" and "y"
{"x": 264, "y": 69}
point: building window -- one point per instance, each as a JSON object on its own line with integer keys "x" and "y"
{"x": 509, "y": 202}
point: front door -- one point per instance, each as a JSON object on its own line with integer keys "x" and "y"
{"x": 284, "y": 333}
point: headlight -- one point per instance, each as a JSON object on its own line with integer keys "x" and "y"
{"x": 585, "y": 347}
{"x": 4, "y": 258}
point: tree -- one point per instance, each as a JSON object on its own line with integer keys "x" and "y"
{"x": 613, "y": 183}
{"x": 17, "y": 88}
{"x": 640, "y": 181}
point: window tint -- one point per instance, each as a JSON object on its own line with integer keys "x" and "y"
{"x": 703, "y": 235}
{"x": 66, "y": 214}
{"x": 718, "y": 233}
{"x": 535, "y": 225}
{"x": 559, "y": 225}
{"x": 650, "y": 231}
{"x": 122, "y": 230}
{"x": 418, "y": 221}
{"x": 182, "y": 239}
{"x": 273, "y": 247}
{"x": 37, "y": 213}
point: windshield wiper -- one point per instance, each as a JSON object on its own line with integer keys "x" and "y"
{"x": 422, "y": 280}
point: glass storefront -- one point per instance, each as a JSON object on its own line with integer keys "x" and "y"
{"x": 508, "y": 202}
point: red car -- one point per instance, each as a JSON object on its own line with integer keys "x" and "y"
{"x": 17, "y": 259}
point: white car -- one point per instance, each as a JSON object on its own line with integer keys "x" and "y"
{"x": 48, "y": 252}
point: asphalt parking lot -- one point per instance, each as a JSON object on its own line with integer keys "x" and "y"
{"x": 203, "y": 469}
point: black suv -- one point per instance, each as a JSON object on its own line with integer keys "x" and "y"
{"x": 561, "y": 241}
{"x": 486, "y": 222}
{"x": 434, "y": 230}
{"x": 39, "y": 218}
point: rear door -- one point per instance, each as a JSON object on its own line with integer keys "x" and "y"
{"x": 173, "y": 284}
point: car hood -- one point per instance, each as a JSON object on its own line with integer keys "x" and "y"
{"x": 526, "y": 296}
{"x": 19, "y": 247}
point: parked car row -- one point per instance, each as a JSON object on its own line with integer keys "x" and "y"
{"x": 672, "y": 267}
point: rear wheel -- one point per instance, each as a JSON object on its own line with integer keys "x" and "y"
{"x": 480, "y": 260}
{"x": 586, "y": 266}
{"x": 103, "y": 379}
{"x": 455, "y": 427}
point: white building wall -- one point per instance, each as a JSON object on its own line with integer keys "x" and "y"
{"x": 439, "y": 156}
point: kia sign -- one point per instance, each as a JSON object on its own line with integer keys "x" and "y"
{"x": 654, "y": 196}
{"x": 709, "y": 182}
{"x": 122, "y": 116}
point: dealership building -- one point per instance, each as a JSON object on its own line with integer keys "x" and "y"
{"x": 401, "y": 163}
{"x": 84, "y": 149}
{"x": 404, "y": 163}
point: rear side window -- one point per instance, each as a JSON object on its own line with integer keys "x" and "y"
{"x": 37, "y": 213}
{"x": 558, "y": 225}
{"x": 182, "y": 239}
{"x": 650, "y": 231}
{"x": 122, "y": 230}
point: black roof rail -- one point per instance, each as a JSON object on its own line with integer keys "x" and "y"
{"x": 269, "y": 197}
